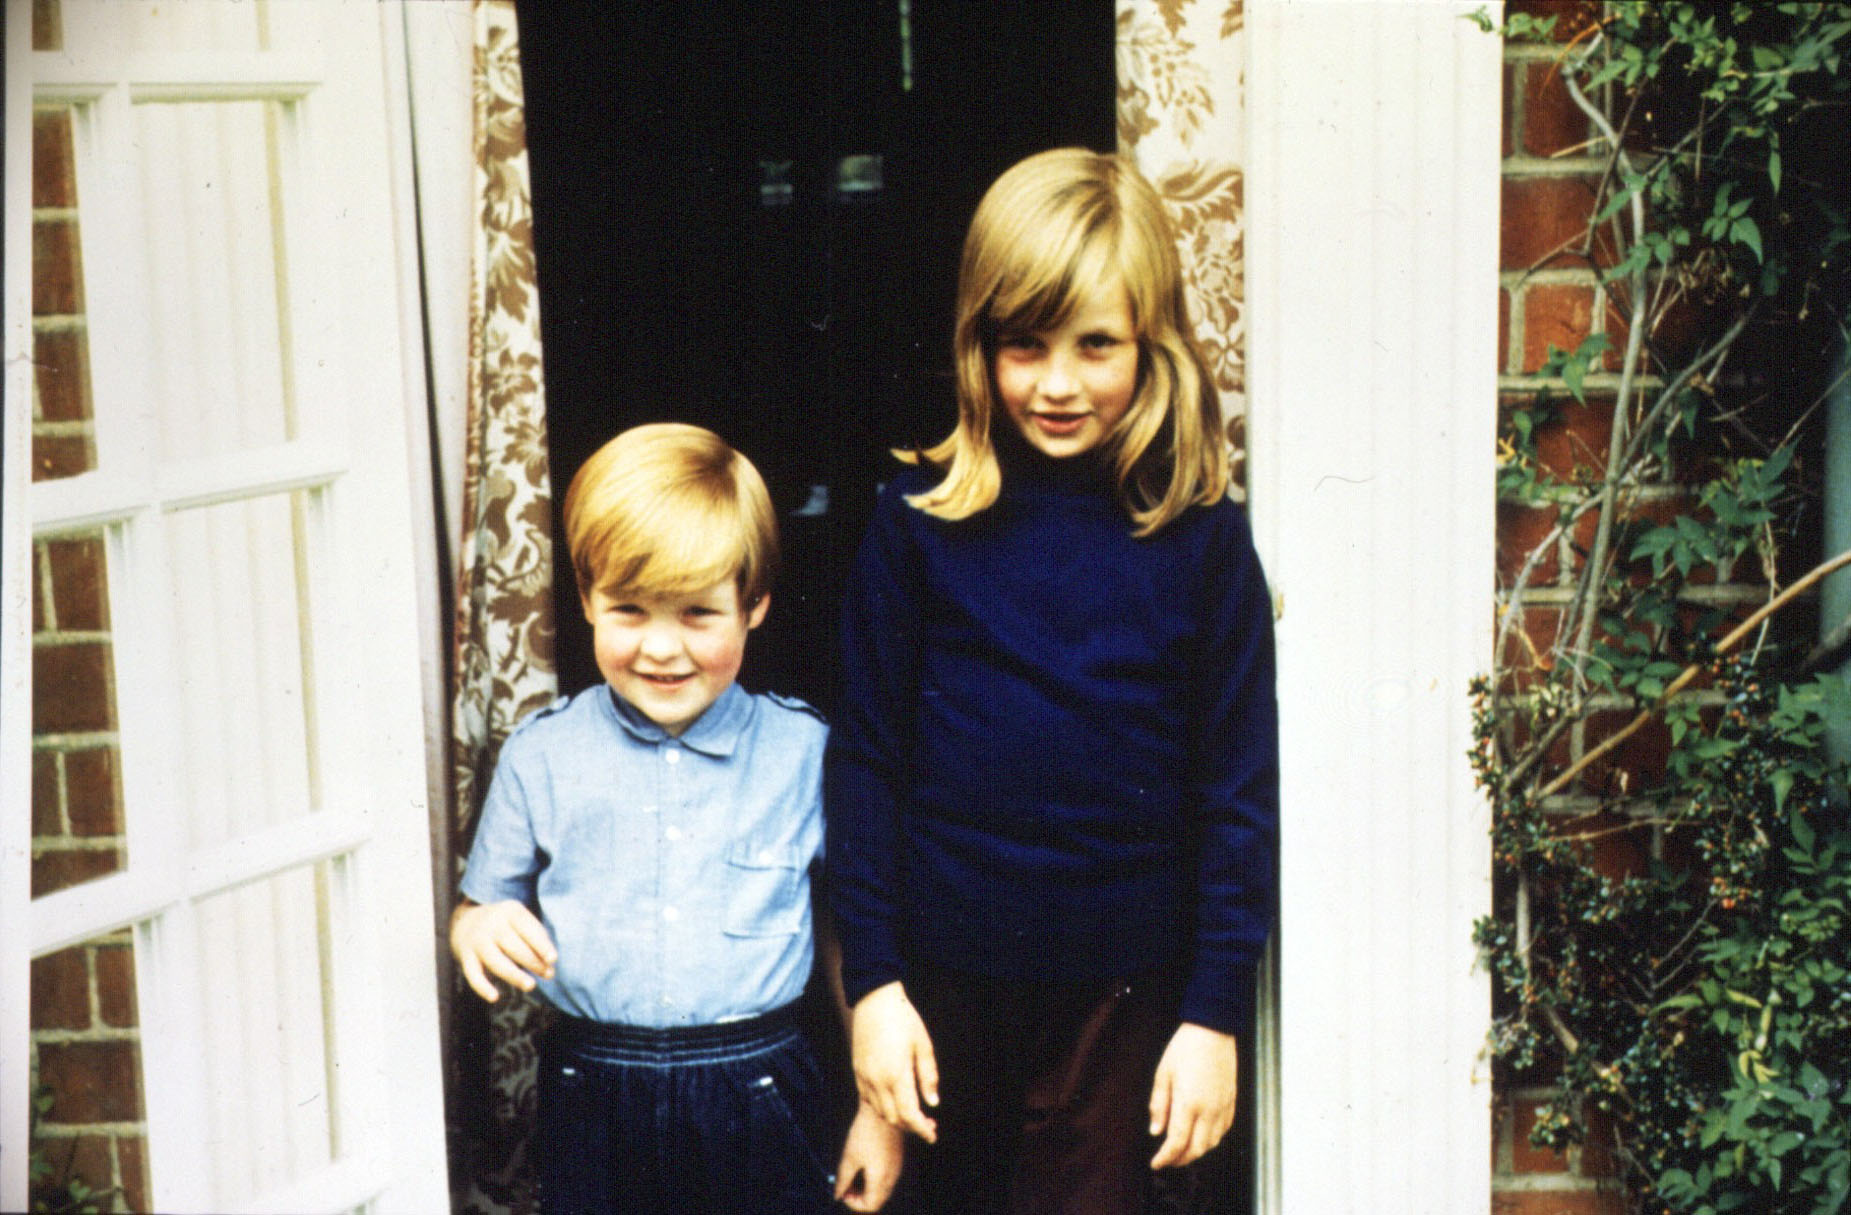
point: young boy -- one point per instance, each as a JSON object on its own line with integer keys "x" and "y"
{"x": 644, "y": 856}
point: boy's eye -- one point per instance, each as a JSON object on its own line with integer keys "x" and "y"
{"x": 1100, "y": 341}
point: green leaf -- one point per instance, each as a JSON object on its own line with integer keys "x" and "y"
{"x": 1744, "y": 231}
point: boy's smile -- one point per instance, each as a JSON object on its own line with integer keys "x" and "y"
{"x": 671, "y": 656}
{"x": 1065, "y": 388}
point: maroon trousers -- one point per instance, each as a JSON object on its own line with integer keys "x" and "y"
{"x": 1044, "y": 1094}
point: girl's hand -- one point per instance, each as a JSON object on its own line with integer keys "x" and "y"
{"x": 871, "y": 1160}
{"x": 503, "y": 939}
{"x": 1192, "y": 1101}
{"x": 894, "y": 1065}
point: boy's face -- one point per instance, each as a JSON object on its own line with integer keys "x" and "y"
{"x": 671, "y": 656}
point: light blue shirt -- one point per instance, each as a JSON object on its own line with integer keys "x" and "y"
{"x": 673, "y": 874}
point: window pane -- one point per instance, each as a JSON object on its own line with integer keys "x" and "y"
{"x": 77, "y": 829}
{"x": 87, "y": 1084}
{"x": 212, "y": 191}
{"x": 238, "y": 578}
{"x": 269, "y": 1093}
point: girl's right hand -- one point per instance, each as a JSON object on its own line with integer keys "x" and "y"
{"x": 503, "y": 939}
{"x": 895, "y": 1070}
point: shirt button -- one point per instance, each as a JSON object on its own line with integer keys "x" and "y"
{"x": 671, "y": 756}
{"x": 673, "y": 833}
{"x": 671, "y": 914}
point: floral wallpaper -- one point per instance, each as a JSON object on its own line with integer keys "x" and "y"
{"x": 504, "y": 622}
{"x": 1181, "y": 85}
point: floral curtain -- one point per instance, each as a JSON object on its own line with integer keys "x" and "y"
{"x": 1181, "y": 85}
{"x": 504, "y": 615}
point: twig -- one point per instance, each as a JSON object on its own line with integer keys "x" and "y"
{"x": 1690, "y": 672}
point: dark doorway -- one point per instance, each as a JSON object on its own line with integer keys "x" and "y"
{"x": 747, "y": 216}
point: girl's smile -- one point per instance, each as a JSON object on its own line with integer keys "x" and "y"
{"x": 1066, "y": 388}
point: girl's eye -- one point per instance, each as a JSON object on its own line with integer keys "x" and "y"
{"x": 1018, "y": 341}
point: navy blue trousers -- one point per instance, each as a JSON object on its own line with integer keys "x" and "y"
{"x": 717, "y": 1119}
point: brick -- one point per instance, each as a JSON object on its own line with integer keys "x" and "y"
{"x": 1572, "y": 17}
{"x": 71, "y": 688}
{"x": 53, "y": 182}
{"x": 1615, "y": 851}
{"x": 91, "y": 1081}
{"x": 1510, "y": 89}
{"x": 57, "y": 456}
{"x": 79, "y": 583}
{"x": 1577, "y": 439}
{"x": 1503, "y": 330}
{"x": 57, "y": 268}
{"x": 1552, "y": 122}
{"x": 1597, "y": 1159}
{"x": 132, "y": 1167}
{"x": 1542, "y": 217}
{"x": 1557, "y": 1202}
{"x": 76, "y": 1157}
{"x": 93, "y": 793}
{"x": 61, "y": 990}
{"x": 47, "y": 805}
{"x": 58, "y": 869}
{"x": 1554, "y": 314}
{"x": 1519, "y": 530}
{"x": 115, "y": 986}
{"x": 61, "y": 372}
{"x": 1526, "y": 1157}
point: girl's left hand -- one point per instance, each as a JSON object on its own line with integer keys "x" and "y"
{"x": 1192, "y": 1101}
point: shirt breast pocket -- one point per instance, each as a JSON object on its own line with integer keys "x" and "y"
{"x": 766, "y": 892}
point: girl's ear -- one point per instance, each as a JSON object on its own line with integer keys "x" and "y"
{"x": 755, "y": 615}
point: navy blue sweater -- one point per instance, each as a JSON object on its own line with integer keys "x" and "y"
{"x": 1057, "y": 752}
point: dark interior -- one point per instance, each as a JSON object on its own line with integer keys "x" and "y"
{"x": 705, "y": 255}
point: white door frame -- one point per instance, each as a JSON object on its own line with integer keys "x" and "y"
{"x": 1372, "y": 239}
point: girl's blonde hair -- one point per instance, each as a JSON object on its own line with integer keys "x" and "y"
{"x": 668, "y": 509}
{"x": 1050, "y": 231}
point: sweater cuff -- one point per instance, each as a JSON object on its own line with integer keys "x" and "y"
{"x": 863, "y": 971}
{"x": 1223, "y": 1001}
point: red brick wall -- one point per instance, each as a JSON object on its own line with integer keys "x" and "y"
{"x": 1549, "y": 294}
{"x": 85, "y": 1042}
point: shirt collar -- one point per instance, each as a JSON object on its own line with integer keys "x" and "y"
{"x": 715, "y": 732}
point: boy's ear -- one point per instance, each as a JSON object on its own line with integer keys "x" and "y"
{"x": 755, "y": 615}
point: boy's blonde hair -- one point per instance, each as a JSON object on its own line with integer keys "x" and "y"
{"x": 1050, "y": 231}
{"x": 669, "y": 508}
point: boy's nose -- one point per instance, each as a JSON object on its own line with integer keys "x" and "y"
{"x": 659, "y": 643}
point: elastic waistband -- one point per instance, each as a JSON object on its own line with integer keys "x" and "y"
{"x": 678, "y": 1044}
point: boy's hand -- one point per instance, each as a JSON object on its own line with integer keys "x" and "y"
{"x": 894, "y": 1064}
{"x": 871, "y": 1160}
{"x": 503, "y": 939}
{"x": 1192, "y": 1101}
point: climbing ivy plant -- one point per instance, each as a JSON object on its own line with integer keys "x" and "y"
{"x": 1671, "y": 941}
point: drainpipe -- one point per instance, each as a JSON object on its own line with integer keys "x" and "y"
{"x": 1835, "y": 594}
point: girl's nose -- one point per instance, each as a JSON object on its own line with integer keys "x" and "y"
{"x": 1058, "y": 382}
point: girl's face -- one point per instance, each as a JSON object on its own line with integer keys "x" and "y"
{"x": 1066, "y": 388}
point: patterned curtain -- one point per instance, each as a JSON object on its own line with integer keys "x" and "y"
{"x": 1181, "y": 90}
{"x": 504, "y": 621}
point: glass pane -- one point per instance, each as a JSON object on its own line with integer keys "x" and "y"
{"x": 88, "y": 1133}
{"x": 238, "y": 578}
{"x": 77, "y": 829}
{"x": 268, "y": 1084}
{"x": 212, "y": 190}
{"x": 63, "y": 437}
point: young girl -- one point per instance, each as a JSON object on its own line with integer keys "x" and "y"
{"x": 1052, "y": 788}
